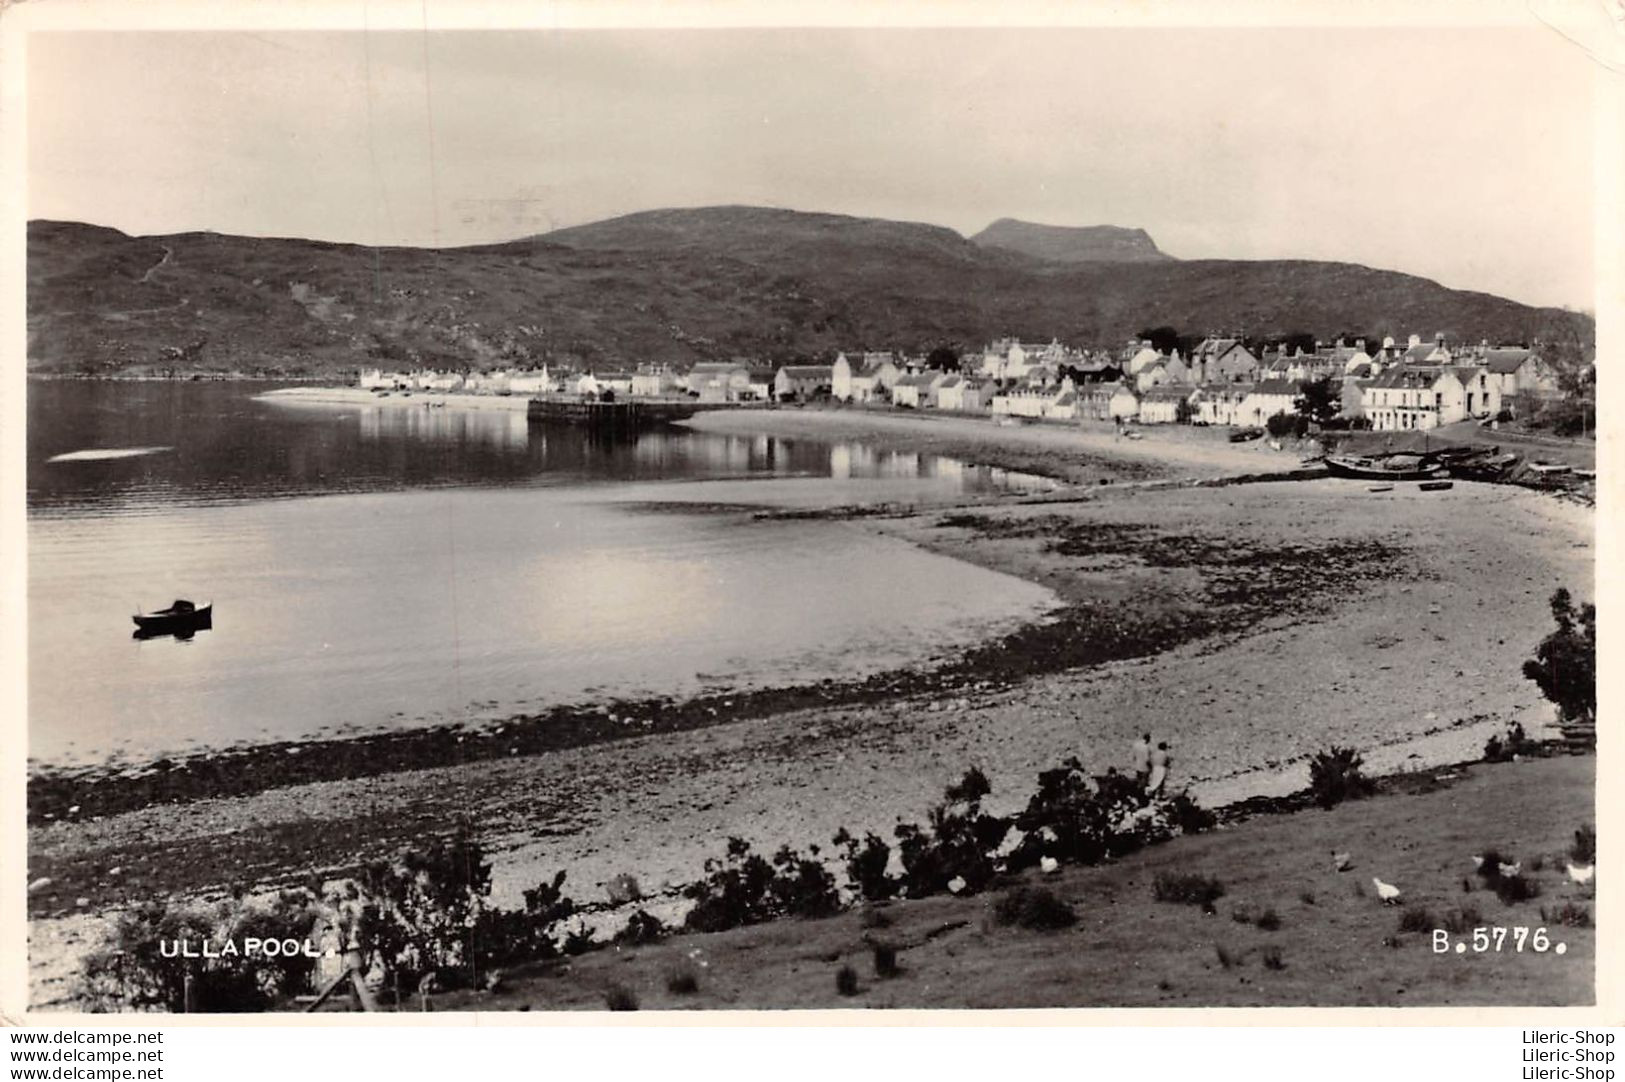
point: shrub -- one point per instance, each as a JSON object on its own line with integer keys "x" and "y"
{"x": 1269, "y": 920}
{"x": 744, "y": 888}
{"x": 1078, "y": 820}
{"x": 1226, "y": 958}
{"x": 504, "y": 937}
{"x": 130, "y": 972}
{"x": 735, "y": 891}
{"x": 1287, "y": 424}
{"x": 1034, "y": 908}
{"x": 885, "y": 956}
{"x": 846, "y": 981}
{"x": 618, "y": 997}
{"x": 1500, "y": 749}
{"x": 1584, "y": 849}
{"x": 866, "y": 864}
{"x": 802, "y": 886}
{"x": 1568, "y": 915}
{"x": 1307, "y": 897}
{"x": 641, "y": 929}
{"x": 1462, "y": 919}
{"x": 1272, "y": 959}
{"x": 1512, "y": 889}
{"x": 1417, "y": 918}
{"x": 1189, "y": 816}
{"x": 1565, "y": 664}
{"x": 1489, "y": 867}
{"x": 1335, "y": 776}
{"x": 957, "y": 843}
{"x": 682, "y": 981}
{"x": 1187, "y": 888}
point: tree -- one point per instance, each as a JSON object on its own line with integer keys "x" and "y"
{"x": 1565, "y": 664}
{"x": 943, "y": 359}
{"x": 1298, "y": 341}
{"x": 1162, "y": 339}
{"x": 1319, "y": 401}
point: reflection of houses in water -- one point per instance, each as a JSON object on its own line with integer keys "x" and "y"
{"x": 504, "y": 429}
{"x": 945, "y": 469}
{"x": 848, "y": 460}
{"x": 904, "y": 464}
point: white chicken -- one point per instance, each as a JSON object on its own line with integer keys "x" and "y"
{"x": 1386, "y": 891}
{"x": 1048, "y": 865}
{"x": 1582, "y": 873}
{"x": 1510, "y": 871}
{"x": 1342, "y": 861}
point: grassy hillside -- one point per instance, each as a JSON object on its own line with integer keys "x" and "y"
{"x": 677, "y": 285}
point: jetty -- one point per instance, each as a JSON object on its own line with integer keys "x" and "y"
{"x": 618, "y": 415}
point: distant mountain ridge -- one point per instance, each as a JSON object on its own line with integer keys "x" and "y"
{"x": 676, "y": 286}
{"x": 1072, "y": 244}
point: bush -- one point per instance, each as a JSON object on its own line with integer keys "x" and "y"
{"x": 1512, "y": 889}
{"x": 1584, "y": 849}
{"x": 885, "y": 956}
{"x": 1272, "y": 959}
{"x": 1269, "y": 920}
{"x": 130, "y": 972}
{"x": 1569, "y": 915}
{"x": 1417, "y": 918}
{"x": 1565, "y": 664}
{"x": 504, "y": 937}
{"x": 682, "y": 981}
{"x": 744, "y": 888}
{"x": 1287, "y": 424}
{"x": 1187, "y": 888}
{"x": 956, "y": 844}
{"x": 1462, "y": 919}
{"x": 618, "y": 997}
{"x": 1501, "y": 749}
{"x": 1076, "y": 820}
{"x": 1034, "y": 908}
{"x": 866, "y": 864}
{"x": 1335, "y": 776}
{"x": 846, "y": 981}
{"x": 641, "y": 929}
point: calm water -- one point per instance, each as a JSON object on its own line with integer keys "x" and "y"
{"x": 373, "y": 566}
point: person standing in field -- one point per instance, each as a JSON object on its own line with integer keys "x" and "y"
{"x": 1142, "y": 761}
{"x": 1159, "y": 769}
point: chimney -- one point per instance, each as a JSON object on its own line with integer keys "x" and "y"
{"x": 1438, "y": 338}
{"x": 1359, "y": 344}
{"x": 1416, "y": 340}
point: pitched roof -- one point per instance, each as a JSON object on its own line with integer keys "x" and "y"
{"x": 951, "y": 381}
{"x": 1407, "y": 376}
{"x": 1168, "y": 394}
{"x": 1276, "y": 386}
{"x": 808, "y": 371}
{"x": 1505, "y": 361}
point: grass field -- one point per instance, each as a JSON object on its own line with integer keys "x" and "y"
{"x": 1332, "y": 942}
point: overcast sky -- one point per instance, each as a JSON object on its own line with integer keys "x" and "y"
{"x": 1461, "y": 155}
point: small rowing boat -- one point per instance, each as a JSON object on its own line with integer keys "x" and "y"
{"x": 181, "y": 619}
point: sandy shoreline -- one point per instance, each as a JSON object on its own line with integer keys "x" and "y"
{"x": 1417, "y": 667}
{"x": 1065, "y": 448}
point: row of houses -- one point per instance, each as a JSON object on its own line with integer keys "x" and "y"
{"x": 1221, "y": 381}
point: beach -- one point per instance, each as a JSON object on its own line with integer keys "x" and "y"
{"x": 1266, "y": 621}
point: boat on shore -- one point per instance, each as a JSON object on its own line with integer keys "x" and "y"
{"x": 182, "y": 619}
{"x": 1390, "y": 467}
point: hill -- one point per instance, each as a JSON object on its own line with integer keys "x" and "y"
{"x": 670, "y": 285}
{"x": 1072, "y": 244}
